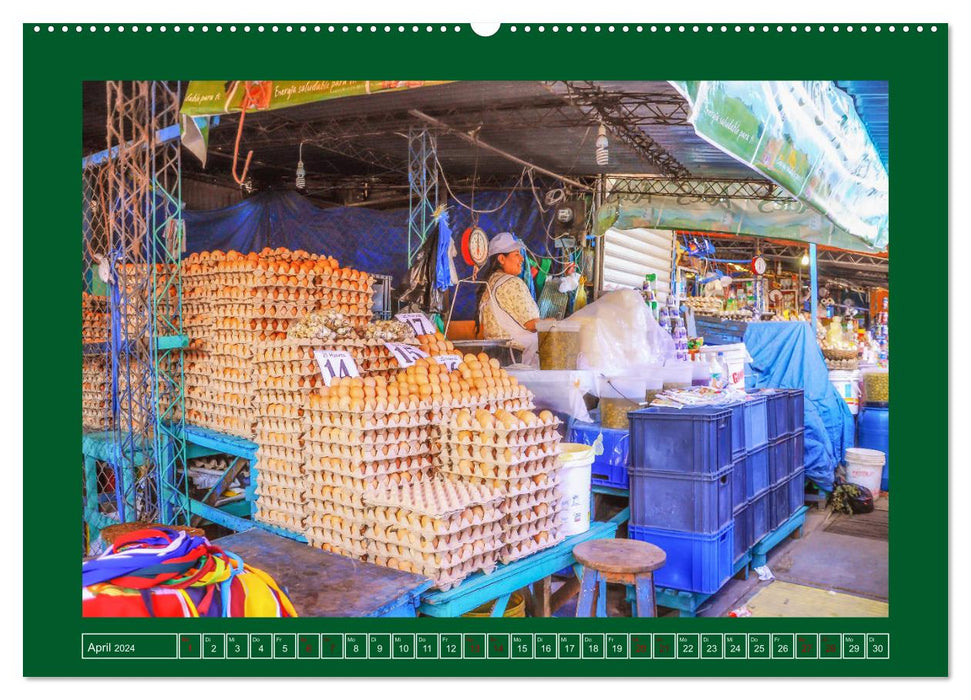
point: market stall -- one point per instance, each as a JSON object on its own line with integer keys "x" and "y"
{"x": 310, "y": 400}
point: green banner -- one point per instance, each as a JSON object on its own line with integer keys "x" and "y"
{"x": 205, "y": 98}
{"x": 745, "y": 217}
{"x": 807, "y": 137}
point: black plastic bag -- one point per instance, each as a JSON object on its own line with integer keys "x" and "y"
{"x": 862, "y": 501}
{"x": 419, "y": 288}
{"x": 850, "y": 498}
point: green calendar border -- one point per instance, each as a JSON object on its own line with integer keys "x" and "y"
{"x": 55, "y": 63}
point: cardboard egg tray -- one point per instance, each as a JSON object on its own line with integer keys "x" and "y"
{"x": 524, "y": 548}
{"x": 509, "y": 488}
{"x": 486, "y": 433}
{"x": 320, "y": 496}
{"x": 268, "y": 440}
{"x": 493, "y": 454}
{"x": 530, "y": 530}
{"x": 350, "y": 525}
{"x": 436, "y": 497}
{"x": 283, "y": 454}
{"x": 497, "y": 470}
{"x": 285, "y": 520}
{"x": 274, "y": 506}
{"x": 284, "y": 351}
{"x": 360, "y": 485}
{"x": 279, "y": 406}
{"x": 282, "y": 467}
{"x": 366, "y": 422}
{"x": 276, "y": 494}
{"x": 345, "y": 436}
{"x": 549, "y": 496}
{"x": 428, "y": 543}
{"x": 281, "y": 369}
{"x": 367, "y": 453}
{"x": 539, "y": 436}
{"x": 345, "y": 511}
{"x": 294, "y": 483}
{"x": 440, "y": 559}
{"x": 361, "y": 469}
{"x": 274, "y": 425}
{"x": 527, "y": 516}
{"x": 444, "y": 578}
{"x": 336, "y": 543}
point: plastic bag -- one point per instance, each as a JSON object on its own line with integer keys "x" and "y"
{"x": 420, "y": 292}
{"x": 619, "y": 331}
{"x": 851, "y": 498}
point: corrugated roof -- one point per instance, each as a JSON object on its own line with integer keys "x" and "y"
{"x": 872, "y": 99}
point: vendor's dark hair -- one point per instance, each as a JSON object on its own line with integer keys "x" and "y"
{"x": 492, "y": 265}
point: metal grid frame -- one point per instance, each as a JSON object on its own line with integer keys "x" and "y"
{"x": 422, "y": 188}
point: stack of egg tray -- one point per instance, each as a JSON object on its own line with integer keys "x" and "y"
{"x": 94, "y": 318}
{"x": 518, "y": 456}
{"x": 438, "y": 528}
{"x": 372, "y": 358}
{"x": 197, "y": 360}
{"x": 95, "y": 393}
{"x": 349, "y": 452}
{"x": 284, "y": 373}
{"x": 342, "y": 289}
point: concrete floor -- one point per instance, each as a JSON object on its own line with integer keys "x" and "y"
{"x": 852, "y": 570}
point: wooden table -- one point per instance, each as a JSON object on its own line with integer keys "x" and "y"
{"x": 534, "y": 570}
{"x": 321, "y": 584}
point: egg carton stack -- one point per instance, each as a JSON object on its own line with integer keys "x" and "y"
{"x": 498, "y": 389}
{"x": 95, "y": 393}
{"x": 197, "y": 325}
{"x": 362, "y": 434}
{"x": 234, "y": 334}
{"x": 438, "y": 528}
{"x": 94, "y": 318}
{"x": 436, "y": 344}
{"x": 285, "y": 374}
{"x": 516, "y": 454}
{"x": 373, "y": 359}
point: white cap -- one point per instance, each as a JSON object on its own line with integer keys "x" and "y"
{"x": 504, "y": 243}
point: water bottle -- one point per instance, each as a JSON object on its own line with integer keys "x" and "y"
{"x": 717, "y": 380}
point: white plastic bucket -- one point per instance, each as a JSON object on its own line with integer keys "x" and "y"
{"x": 848, "y": 385}
{"x": 576, "y": 462}
{"x": 865, "y": 468}
{"x": 736, "y": 355}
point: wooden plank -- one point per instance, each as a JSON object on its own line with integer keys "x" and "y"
{"x": 321, "y": 584}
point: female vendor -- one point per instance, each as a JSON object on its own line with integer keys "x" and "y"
{"x": 506, "y": 308}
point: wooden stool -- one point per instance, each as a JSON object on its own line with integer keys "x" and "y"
{"x": 629, "y": 562}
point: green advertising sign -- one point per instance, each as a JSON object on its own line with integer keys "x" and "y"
{"x": 807, "y": 137}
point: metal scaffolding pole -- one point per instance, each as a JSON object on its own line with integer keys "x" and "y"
{"x": 422, "y": 188}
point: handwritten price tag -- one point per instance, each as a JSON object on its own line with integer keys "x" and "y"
{"x": 405, "y": 354}
{"x": 418, "y": 322}
{"x": 450, "y": 361}
{"x": 335, "y": 364}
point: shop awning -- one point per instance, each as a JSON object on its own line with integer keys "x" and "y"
{"x": 807, "y": 137}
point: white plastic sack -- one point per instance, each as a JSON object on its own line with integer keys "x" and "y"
{"x": 619, "y": 331}
{"x": 558, "y": 390}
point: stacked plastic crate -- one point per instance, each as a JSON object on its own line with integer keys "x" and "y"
{"x": 786, "y": 429}
{"x": 750, "y": 452}
{"x": 682, "y": 492}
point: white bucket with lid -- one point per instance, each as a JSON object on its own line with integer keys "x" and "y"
{"x": 576, "y": 462}
{"x": 864, "y": 467}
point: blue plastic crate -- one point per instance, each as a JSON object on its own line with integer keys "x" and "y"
{"x": 753, "y": 426}
{"x": 797, "y": 455}
{"x": 760, "y": 515}
{"x": 611, "y": 475}
{"x": 742, "y": 519}
{"x": 778, "y": 504}
{"x": 696, "y": 563}
{"x": 695, "y": 441}
{"x": 609, "y": 468}
{"x": 780, "y": 465}
{"x": 776, "y": 412}
{"x": 756, "y": 472}
{"x": 797, "y": 415}
{"x": 699, "y": 503}
{"x": 797, "y": 491}
{"x": 739, "y": 498}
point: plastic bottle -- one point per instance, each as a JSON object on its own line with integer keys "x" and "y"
{"x": 726, "y": 372}
{"x": 715, "y": 371}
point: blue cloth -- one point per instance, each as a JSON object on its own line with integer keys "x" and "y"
{"x": 785, "y": 355}
{"x": 366, "y": 239}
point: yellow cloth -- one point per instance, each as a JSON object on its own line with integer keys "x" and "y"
{"x": 513, "y": 297}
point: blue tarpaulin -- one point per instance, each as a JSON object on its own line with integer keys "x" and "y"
{"x": 785, "y": 355}
{"x": 366, "y": 239}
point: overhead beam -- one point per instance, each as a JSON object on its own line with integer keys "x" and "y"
{"x": 617, "y": 117}
{"x": 698, "y": 187}
{"x": 492, "y": 149}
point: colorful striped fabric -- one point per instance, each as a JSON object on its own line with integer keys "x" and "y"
{"x": 160, "y": 572}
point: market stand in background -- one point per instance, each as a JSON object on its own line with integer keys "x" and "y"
{"x": 220, "y": 290}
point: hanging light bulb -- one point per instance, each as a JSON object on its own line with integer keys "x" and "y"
{"x": 805, "y": 259}
{"x": 601, "y": 152}
{"x": 301, "y": 172}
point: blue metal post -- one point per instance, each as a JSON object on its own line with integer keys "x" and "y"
{"x": 813, "y": 285}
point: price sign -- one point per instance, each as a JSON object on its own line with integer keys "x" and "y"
{"x": 405, "y": 354}
{"x": 418, "y": 322}
{"x": 335, "y": 364}
{"x": 450, "y": 361}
